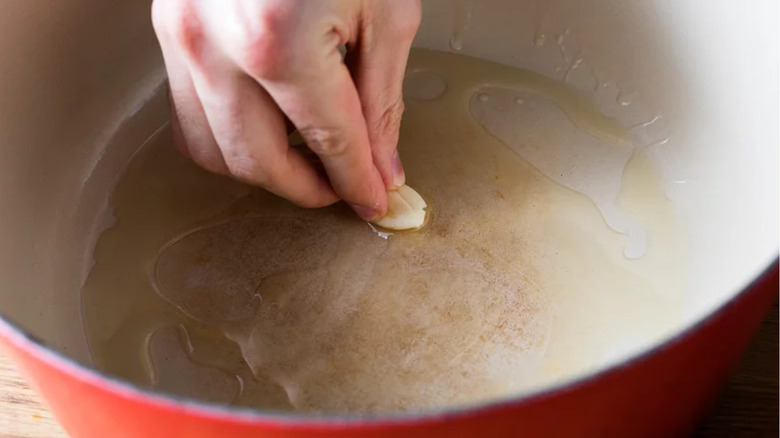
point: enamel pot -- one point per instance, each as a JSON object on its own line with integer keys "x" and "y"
{"x": 73, "y": 74}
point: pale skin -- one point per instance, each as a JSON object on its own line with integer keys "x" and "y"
{"x": 243, "y": 73}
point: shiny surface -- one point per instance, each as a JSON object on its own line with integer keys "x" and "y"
{"x": 516, "y": 283}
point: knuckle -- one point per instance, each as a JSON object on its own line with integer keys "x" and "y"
{"x": 328, "y": 141}
{"x": 259, "y": 54}
{"x": 176, "y": 22}
{"x": 247, "y": 169}
{"x": 389, "y": 120}
{"x": 263, "y": 44}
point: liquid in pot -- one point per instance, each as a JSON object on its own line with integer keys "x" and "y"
{"x": 550, "y": 251}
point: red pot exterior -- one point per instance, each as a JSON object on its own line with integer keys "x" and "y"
{"x": 663, "y": 393}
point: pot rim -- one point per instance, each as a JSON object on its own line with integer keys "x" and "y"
{"x": 25, "y": 341}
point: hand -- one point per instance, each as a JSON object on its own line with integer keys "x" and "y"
{"x": 239, "y": 70}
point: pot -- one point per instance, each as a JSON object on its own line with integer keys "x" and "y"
{"x": 697, "y": 79}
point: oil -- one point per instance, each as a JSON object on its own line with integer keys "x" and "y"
{"x": 213, "y": 290}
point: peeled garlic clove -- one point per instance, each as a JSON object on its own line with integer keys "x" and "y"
{"x": 405, "y": 210}
{"x": 412, "y": 197}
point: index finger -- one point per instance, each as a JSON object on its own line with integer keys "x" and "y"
{"x": 326, "y": 110}
{"x": 307, "y": 79}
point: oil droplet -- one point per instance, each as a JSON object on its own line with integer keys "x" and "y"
{"x": 456, "y": 42}
{"x": 624, "y": 99}
{"x": 539, "y": 39}
{"x": 424, "y": 86}
{"x": 258, "y": 291}
{"x": 637, "y": 244}
{"x": 483, "y": 97}
{"x": 655, "y": 118}
{"x": 461, "y": 22}
{"x": 519, "y": 101}
{"x": 559, "y": 43}
{"x": 573, "y": 66}
{"x": 562, "y": 36}
{"x": 383, "y": 234}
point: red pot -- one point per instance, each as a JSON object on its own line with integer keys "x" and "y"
{"x": 664, "y": 392}
{"x": 73, "y": 74}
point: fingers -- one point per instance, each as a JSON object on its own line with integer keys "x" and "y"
{"x": 252, "y": 136}
{"x": 311, "y": 85}
{"x": 378, "y": 64}
{"x": 237, "y": 70}
{"x": 191, "y": 132}
{"x": 328, "y": 115}
{"x": 226, "y": 122}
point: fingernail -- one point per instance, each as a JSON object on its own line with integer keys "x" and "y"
{"x": 366, "y": 213}
{"x": 399, "y": 178}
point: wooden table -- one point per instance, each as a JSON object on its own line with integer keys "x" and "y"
{"x": 748, "y": 406}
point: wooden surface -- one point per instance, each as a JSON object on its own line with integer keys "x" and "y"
{"x": 747, "y": 408}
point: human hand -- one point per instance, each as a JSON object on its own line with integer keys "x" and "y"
{"x": 240, "y": 70}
